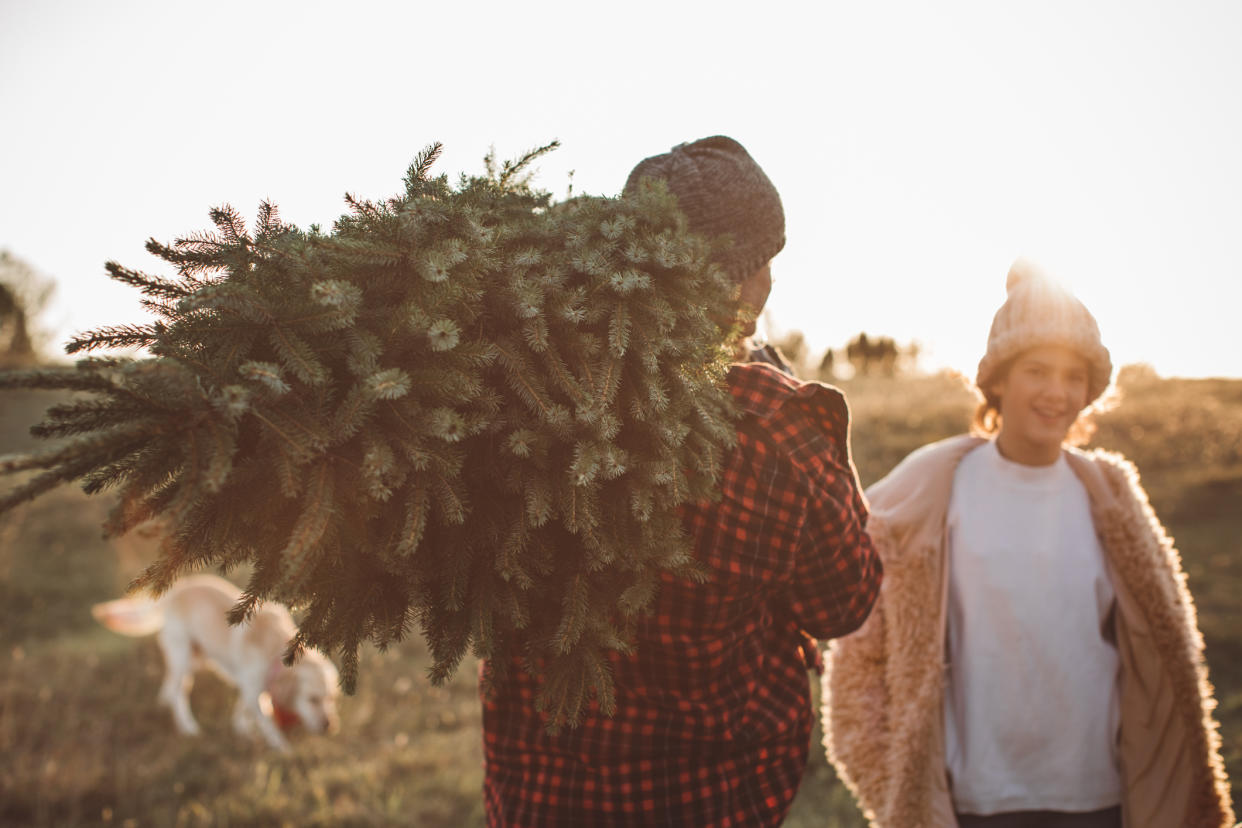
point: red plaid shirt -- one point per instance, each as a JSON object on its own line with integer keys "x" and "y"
{"x": 713, "y": 718}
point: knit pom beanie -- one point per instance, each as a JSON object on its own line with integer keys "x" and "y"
{"x": 722, "y": 191}
{"x": 1038, "y": 312}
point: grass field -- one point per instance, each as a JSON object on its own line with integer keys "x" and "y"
{"x": 83, "y": 743}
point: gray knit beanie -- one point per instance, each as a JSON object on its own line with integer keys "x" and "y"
{"x": 722, "y": 191}
{"x": 1038, "y": 312}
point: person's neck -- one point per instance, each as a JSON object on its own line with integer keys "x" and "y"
{"x": 1024, "y": 453}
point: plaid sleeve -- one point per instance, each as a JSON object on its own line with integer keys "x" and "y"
{"x": 833, "y": 574}
{"x": 837, "y": 573}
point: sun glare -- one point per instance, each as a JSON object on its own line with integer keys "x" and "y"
{"x": 917, "y": 154}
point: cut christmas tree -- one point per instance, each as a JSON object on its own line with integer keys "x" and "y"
{"x": 467, "y": 410}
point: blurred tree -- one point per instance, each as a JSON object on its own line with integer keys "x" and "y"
{"x": 881, "y": 356}
{"x": 827, "y": 366}
{"x": 869, "y": 356}
{"x": 24, "y": 294}
{"x": 14, "y": 338}
{"x": 908, "y": 359}
{"x": 1136, "y": 373}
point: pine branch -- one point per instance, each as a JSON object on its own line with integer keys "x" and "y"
{"x": 44, "y": 482}
{"x": 421, "y": 168}
{"x": 299, "y": 556}
{"x": 149, "y": 285}
{"x": 199, "y": 254}
{"x": 416, "y": 513}
{"x": 268, "y": 225}
{"x": 520, "y": 377}
{"x": 230, "y": 224}
{"x": 147, "y": 494}
{"x": 298, "y": 356}
{"x": 512, "y": 170}
{"x": 364, "y": 209}
{"x": 86, "y": 416}
{"x": 53, "y": 379}
{"x": 69, "y": 461}
{"x": 120, "y": 336}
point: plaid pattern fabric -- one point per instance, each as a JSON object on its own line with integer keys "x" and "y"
{"x": 713, "y": 716}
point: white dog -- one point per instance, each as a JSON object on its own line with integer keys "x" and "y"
{"x": 194, "y": 633}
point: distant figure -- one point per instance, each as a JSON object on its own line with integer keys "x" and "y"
{"x": 871, "y": 356}
{"x": 827, "y": 366}
{"x": 1034, "y": 659}
{"x": 713, "y": 712}
{"x": 858, "y": 352}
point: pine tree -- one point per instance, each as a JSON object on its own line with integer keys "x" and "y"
{"x": 465, "y": 409}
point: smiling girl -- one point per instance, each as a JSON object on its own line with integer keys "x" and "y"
{"x": 1034, "y": 659}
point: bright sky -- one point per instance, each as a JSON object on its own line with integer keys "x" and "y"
{"x": 919, "y": 148}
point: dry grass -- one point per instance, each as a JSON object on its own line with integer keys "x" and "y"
{"x": 82, "y": 742}
{"x": 85, "y": 744}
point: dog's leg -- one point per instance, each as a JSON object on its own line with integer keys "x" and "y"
{"x": 178, "y": 678}
{"x": 250, "y": 689}
{"x": 243, "y": 719}
{"x": 268, "y": 728}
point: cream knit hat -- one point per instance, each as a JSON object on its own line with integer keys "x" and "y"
{"x": 1038, "y": 311}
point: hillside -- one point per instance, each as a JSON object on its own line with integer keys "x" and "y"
{"x": 82, "y": 741}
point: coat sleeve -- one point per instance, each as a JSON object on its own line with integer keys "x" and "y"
{"x": 836, "y": 572}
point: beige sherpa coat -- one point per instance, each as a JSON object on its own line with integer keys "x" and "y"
{"x": 883, "y": 691}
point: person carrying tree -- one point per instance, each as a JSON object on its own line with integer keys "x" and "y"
{"x": 713, "y": 716}
{"x": 1035, "y": 659}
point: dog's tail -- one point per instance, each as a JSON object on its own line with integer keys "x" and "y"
{"x": 137, "y": 616}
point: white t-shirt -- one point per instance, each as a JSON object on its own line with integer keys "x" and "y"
{"x": 1031, "y": 705}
